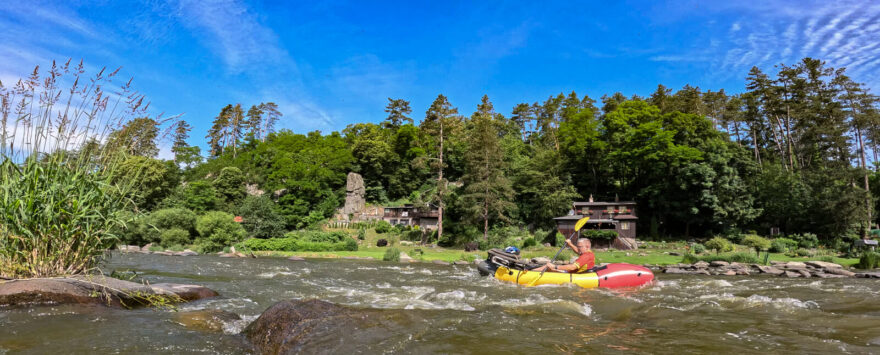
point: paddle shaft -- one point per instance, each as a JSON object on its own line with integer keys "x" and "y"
{"x": 555, "y": 256}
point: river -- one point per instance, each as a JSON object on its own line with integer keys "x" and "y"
{"x": 451, "y": 309}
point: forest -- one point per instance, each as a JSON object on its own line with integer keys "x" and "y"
{"x": 796, "y": 150}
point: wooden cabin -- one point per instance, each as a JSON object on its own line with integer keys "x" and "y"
{"x": 618, "y": 216}
{"x": 410, "y": 215}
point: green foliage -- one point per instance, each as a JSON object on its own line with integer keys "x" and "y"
{"x": 229, "y": 186}
{"x": 317, "y": 236}
{"x": 174, "y": 236}
{"x": 731, "y": 258}
{"x": 800, "y": 252}
{"x": 136, "y": 230}
{"x": 362, "y": 234}
{"x": 155, "y": 179}
{"x": 806, "y": 240}
{"x": 869, "y": 260}
{"x": 199, "y": 196}
{"x": 782, "y": 245}
{"x": 260, "y": 218}
{"x": 756, "y": 242}
{"x": 719, "y": 245}
{"x": 529, "y": 242}
{"x": 217, "y": 230}
{"x": 383, "y": 227}
{"x": 391, "y": 254}
{"x": 698, "y": 248}
{"x": 173, "y": 218}
{"x": 507, "y": 236}
{"x": 300, "y": 243}
{"x": 600, "y": 234}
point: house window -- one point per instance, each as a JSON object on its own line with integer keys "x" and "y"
{"x": 393, "y": 221}
{"x": 404, "y": 213}
{"x": 624, "y": 225}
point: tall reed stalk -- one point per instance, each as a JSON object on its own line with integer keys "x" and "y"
{"x": 59, "y": 203}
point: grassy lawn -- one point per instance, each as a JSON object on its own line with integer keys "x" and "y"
{"x": 656, "y": 254}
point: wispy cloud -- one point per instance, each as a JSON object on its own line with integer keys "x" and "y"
{"x": 845, "y": 34}
{"x": 234, "y": 33}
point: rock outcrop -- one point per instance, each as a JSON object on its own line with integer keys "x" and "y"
{"x": 354, "y": 194}
{"x": 95, "y": 289}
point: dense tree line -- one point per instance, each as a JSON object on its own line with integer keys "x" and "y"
{"x": 792, "y": 151}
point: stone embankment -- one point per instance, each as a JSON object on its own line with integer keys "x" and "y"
{"x": 791, "y": 269}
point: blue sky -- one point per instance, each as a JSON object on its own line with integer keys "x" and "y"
{"x": 330, "y": 64}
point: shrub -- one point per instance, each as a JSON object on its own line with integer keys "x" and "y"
{"x": 756, "y": 242}
{"x": 698, "y": 248}
{"x": 382, "y": 242}
{"x": 294, "y": 244}
{"x": 383, "y": 227}
{"x": 136, "y": 231}
{"x": 391, "y": 254}
{"x": 362, "y": 234}
{"x": 719, "y": 244}
{"x": 317, "y": 236}
{"x": 806, "y": 240}
{"x": 800, "y": 252}
{"x": 260, "y": 218}
{"x": 174, "y": 236}
{"x": 731, "y": 258}
{"x": 529, "y": 242}
{"x": 782, "y": 245}
{"x": 174, "y": 218}
{"x": 598, "y": 234}
{"x": 471, "y": 246}
{"x": 869, "y": 260}
{"x": 560, "y": 240}
{"x": 217, "y": 230}
{"x": 351, "y": 244}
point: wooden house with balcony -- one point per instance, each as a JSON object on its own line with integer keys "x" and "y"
{"x": 617, "y": 216}
{"x": 425, "y": 217}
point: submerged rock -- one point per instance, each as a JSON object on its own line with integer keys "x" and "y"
{"x": 868, "y": 275}
{"x": 461, "y": 262}
{"x": 93, "y": 289}
{"x": 839, "y": 271}
{"x": 440, "y": 262}
{"x": 295, "y": 258}
{"x": 287, "y": 326}
{"x": 206, "y": 320}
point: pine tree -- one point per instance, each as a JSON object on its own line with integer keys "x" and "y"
{"x": 270, "y": 117}
{"x": 440, "y": 120}
{"x": 236, "y": 128}
{"x": 487, "y": 191}
{"x": 217, "y": 134}
{"x": 254, "y": 123}
{"x": 181, "y": 134}
{"x": 397, "y": 110}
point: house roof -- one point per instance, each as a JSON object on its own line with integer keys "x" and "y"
{"x": 577, "y": 217}
{"x": 625, "y": 216}
{"x": 604, "y": 203}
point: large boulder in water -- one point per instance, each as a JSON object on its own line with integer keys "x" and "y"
{"x": 296, "y": 326}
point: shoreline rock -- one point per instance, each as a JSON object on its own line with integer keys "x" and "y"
{"x": 94, "y": 289}
{"x": 791, "y": 269}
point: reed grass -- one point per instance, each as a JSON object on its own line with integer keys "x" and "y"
{"x": 59, "y": 202}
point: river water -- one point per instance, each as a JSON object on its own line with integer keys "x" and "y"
{"x": 431, "y": 308}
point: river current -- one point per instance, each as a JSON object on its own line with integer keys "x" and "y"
{"x": 451, "y": 309}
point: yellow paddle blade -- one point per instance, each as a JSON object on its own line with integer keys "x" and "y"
{"x": 580, "y": 223}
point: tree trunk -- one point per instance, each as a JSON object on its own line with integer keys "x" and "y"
{"x": 440, "y": 188}
{"x": 867, "y": 186}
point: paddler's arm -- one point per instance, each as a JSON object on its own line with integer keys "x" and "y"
{"x": 567, "y": 267}
{"x": 571, "y": 245}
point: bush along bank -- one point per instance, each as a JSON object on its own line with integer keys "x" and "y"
{"x": 314, "y": 241}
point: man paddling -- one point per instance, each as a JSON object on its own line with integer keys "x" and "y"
{"x": 584, "y": 262}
